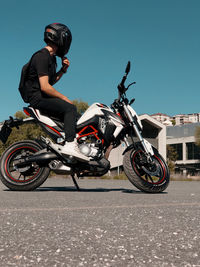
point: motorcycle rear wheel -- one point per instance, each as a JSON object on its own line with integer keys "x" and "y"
{"x": 24, "y": 178}
{"x": 149, "y": 178}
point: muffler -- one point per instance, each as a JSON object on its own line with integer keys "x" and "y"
{"x": 40, "y": 158}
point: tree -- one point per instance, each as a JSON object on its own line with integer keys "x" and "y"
{"x": 173, "y": 122}
{"x": 80, "y": 105}
{"x": 171, "y": 157}
{"x": 20, "y": 115}
{"x": 27, "y": 131}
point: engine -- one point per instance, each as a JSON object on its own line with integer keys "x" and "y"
{"x": 90, "y": 150}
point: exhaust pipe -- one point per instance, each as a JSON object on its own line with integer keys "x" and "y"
{"x": 38, "y": 158}
{"x": 42, "y": 157}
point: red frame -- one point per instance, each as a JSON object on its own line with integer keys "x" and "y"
{"x": 94, "y": 132}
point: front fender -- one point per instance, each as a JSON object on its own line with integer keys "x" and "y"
{"x": 132, "y": 146}
{"x": 138, "y": 145}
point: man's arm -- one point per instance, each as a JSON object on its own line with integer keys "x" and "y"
{"x": 65, "y": 66}
{"x": 50, "y": 90}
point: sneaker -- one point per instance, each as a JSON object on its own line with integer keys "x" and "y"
{"x": 72, "y": 149}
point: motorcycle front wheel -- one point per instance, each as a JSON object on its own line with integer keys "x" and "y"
{"x": 25, "y": 178}
{"x": 148, "y": 177}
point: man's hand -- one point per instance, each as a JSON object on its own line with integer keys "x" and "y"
{"x": 65, "y": 63}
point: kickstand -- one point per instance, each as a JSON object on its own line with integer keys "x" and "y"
{"x": 75, "y": 182}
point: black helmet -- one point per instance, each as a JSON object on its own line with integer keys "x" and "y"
{"x": 60, "y": 35}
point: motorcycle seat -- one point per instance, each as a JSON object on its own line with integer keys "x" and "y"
{"x": 57, "y": 119}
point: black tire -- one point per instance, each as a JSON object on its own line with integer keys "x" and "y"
{"x": 152, "y": 181}
{"x": 22, "y": 179}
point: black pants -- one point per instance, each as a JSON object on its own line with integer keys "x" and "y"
{"x": 63, "y": 110}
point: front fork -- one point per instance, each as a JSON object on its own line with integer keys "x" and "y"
{"x": 145, "y": 144}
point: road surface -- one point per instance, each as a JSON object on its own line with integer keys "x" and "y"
{"x": 108, "y": 223}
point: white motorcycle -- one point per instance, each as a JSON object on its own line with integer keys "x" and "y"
{"x": 25, "y": 165}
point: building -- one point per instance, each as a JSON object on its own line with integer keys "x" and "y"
{"x": 153, "y": 131}
{"x": 163, "y": 118}
{"x": 179, "y": 119}
{"x": 182, "y": 139}
{"x": 193, "y": 118}
{"x": 187, "y": 118}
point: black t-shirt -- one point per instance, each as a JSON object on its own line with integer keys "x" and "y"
{"x": 42, "y": 63}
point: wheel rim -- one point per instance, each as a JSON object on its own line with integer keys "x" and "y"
{"x": 21, "y": 175}
{"x": 152, "y": 174}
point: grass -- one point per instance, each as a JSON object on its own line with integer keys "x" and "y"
{"x": 122, "y": 176}
{"x": 189, "y": 179}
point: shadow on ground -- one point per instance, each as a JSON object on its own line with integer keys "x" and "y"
{"x": 73, "y": 189}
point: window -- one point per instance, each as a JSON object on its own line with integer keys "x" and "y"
{"x": 193, "y": 151}
{"x": 179, "y": 150}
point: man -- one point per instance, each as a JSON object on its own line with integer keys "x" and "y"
{"x": 42, "y": 76}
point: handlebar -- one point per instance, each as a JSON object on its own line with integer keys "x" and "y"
{"x": 121, "y": 86}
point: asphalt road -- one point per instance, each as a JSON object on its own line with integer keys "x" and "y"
{"x": 108, "y": 223}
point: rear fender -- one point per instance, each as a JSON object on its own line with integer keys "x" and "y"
{"x": 7, "y": 125}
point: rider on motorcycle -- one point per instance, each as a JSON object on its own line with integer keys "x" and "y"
{"x": 42, "y": 76}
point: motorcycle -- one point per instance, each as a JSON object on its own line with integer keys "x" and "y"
{"x": 25, "y": 165}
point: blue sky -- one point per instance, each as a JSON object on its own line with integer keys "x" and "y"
{"x": 161, "y": 38}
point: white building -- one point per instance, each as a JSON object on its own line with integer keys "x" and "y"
{"x": 187, "y": 118}
{"x": 163, "y": 118}
{"x": 193, "y": 118}
{"x": 153, "y": 131}
{"x": 180, "y": 137}
{"x": 179, "y": 118}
